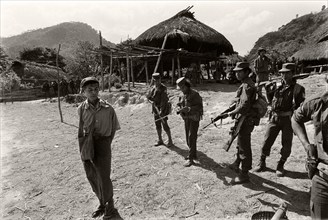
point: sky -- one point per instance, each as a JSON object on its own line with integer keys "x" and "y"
{"x": 241, "y": 22}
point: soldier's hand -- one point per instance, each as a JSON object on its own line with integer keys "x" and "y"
{"x": 184, "y": 109}
{"x": 311, "y": 151}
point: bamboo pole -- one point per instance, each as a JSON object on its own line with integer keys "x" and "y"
{"x": 173, "y": 71}
{"x": 128, "y": 70}
{"x": 146, "y": 68}
{"x": 101, "y": 64}
{"x": 60, "y": 111}
{"x": 160, "y": 54}
{"x": 132, "y": 74}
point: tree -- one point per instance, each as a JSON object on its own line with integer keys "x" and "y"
{"x": 42, "y": 55}
{"x": 85, "y": 62}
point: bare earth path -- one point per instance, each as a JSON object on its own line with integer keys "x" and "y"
{"x": 42, "y": 175}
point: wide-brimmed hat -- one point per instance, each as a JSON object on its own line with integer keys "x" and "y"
{"x": 241, "y": 66}
{"x": 156, "y": 75}
{"x": 288, "y": 67}
{"x": 88, "y": 80}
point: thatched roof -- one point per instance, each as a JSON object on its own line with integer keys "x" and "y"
{"x": 184, "y": 31}
{"x": 317, "y": 51}
{"x": 40, "y": 72}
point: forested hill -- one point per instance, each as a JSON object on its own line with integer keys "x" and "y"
{"x": 293, "y": 36}
{"x": 67, "y": 34}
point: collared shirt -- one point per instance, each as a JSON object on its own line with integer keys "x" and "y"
{"x": 261, "y": 64}
{"x": 246, "y": 95}
{"x": 158, "y": 95}
{"x": 193, "y": 100}
{"x": 316, "y": 109}
{"x": 286, "y": 97}
{"x": 105, "y": 119}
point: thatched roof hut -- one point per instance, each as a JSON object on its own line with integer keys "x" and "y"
{"x": 35, "y": 71}
{"x": 314, "y": 52}
{"x": 185, "y": 32}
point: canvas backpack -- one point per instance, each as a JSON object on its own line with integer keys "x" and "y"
{"x": 260, "y": 105}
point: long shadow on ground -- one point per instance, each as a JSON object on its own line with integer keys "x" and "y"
{"x": 294, "y": 198}
{"x": 205, "y": 162}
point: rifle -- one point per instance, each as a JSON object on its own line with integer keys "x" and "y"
{"x": 234, "y": 132}
{"x": 298, "y": 76}
{"x": 220, "y": 116}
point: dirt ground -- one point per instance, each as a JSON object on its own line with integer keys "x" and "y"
{"x": 42, "y": 176}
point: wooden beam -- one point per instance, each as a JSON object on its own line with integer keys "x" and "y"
{"x": 178, "y": 63}
{"x": 128, "y": 70}
{"x": 146, "y": 67}
{"x": 132, "y": 74}
{"x": 173, "y": 71}
{"x": 160, "y": 54}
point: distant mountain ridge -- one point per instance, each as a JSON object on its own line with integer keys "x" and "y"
{"x": 295, "y": 35}
{"x": 67, "y": 34}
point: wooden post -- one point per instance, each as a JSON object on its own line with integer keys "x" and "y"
{"x": 128, "y": 70}
{"x": 160, "y": 54}
{"x": 178, "y": 63}
{"x": 60, "y": 111}
{"x": 110, "y": 71}
{"x": 146, "y": 68}
{"x": 173, "y": 71}
{"x": 132, "y": 75}
{"x": 101, "y": 63}
{"x": 208, "y": 66}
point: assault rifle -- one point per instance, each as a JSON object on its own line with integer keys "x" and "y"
{"x": 298, "y": 76}
{"x": 220, "y": 116}
{"x": 234, "y": 131}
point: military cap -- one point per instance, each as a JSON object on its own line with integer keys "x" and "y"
{"x": 288, "y": 67}
{"x": 156, "y": 75}
{"x": 88, "y": 80}
{"x": 241, "y": 66}
{"x": 181, "y": 81}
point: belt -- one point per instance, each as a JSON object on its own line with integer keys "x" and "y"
{"x": 283, "y": 114}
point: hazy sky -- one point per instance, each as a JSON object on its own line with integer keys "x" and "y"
{"x": 241, "y": 22}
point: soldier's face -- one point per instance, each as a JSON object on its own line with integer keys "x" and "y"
{"x": 91, "y": 91}
{"x": 287, "y": 76}
{"x": 241, "y": 74}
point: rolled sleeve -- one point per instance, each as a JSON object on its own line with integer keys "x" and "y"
{"x": 303, "y": 113}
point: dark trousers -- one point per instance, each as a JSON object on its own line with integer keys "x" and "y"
{"x": 160, "y": 123}
{"x": 262, "y": 76}
{"x": 98, "y": 172}
{"x": 319, "y": 198}
{"x": 276, "y": 125}
{"x": 191, "y": 128}
{"x": 244, "y": 151}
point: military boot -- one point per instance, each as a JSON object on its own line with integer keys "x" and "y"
{"x": 261, "y": 165}
{"x": 280, "y": 168}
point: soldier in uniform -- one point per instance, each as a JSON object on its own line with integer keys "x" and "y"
{"x": 245, "y": 99}
{"x": 316, "y": 110}
{"x": 283, "y": 100}
{"x": 160, "y": 108}
{"x": 261, "y": 66}
{"x": 190, "y": 107}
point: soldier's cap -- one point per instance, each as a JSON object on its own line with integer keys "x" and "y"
{"x": 182, "y": 81}
{"x": 156, "y": 75}
{"x": 261, "y": 49}
{"x": 241, "y": 66}
{"x": 88, "y": 80}
{"x": 288, "y": 67}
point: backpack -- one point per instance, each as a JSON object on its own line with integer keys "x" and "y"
{"x": 260, "y": 105}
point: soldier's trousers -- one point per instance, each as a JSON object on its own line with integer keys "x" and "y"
{"x": 319, "y": 198}
{"x": 276, "y": 125}
{"x": 244, "y": 151}
{"x": 191, "y": 128}
{"x": 98, "y": 172}
{"x": 160, "y": 123}
{"x": 262, "y": 76}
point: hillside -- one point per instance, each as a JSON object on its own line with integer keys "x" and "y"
{"x": 67, "y": 34}
{"x": 294, "y": 36}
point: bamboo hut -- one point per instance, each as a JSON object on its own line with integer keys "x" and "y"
{"x": 184, "y": 31}
{"x": 316, "y": 53}
{"x": 185, "y": 41}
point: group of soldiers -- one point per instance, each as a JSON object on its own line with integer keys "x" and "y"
{"x": 287, "y": 110}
